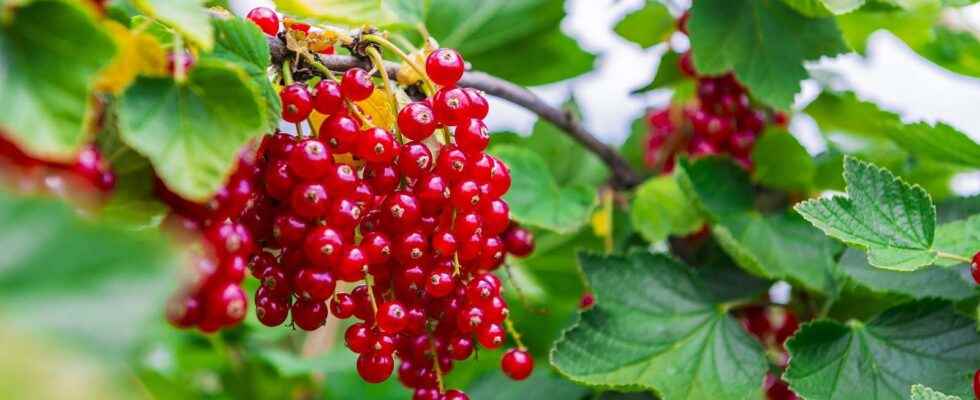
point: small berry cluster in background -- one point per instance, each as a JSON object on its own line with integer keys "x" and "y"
{"x": 415, "y": 225}
{"x": 772, "y": 326}
{"x": 720, "y": 120}
{"x": 89, "y": 175}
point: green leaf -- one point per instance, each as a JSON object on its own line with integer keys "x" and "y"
{"x": 781, "y": 162}
{"x": 660, "y": 209}
{"x": 923, "y": 342}
{"x": 381, "y": 13}
{"x": 913, "y": 25}
{"x": 961, "y": 238}
{"x": 535, "y": 197}
{"x": 810, "y": 8}
{"x": 778, "y": 246}
{"x": 647, "y": 26}
{"x": 50, "y": 55}
{"x": 764, "y": 42}
{"x": 956, "y": 51}
{"x": 945, "y": 283}
{"x": 540, "y": 385}
{"x": 133, "y": 202}
{"x": 568, "y": 161}
{"x": 189, "y": 17}
{"x": 634, "y": 147}
{"x": 499, "y": 36}
{"x": 192, "y": 131}
{"x": 893, "y": 220}
{"x": 920, "y": 392}
{"x": 655, "y": 327}
{"x": 668, "y": 74}
{"x": 242, "y": 43}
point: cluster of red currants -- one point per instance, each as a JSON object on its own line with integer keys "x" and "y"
{"x": 772, "y": 326}
{"x": 416, "y": 225}
{"x": 90, "y": 170}
{"x": 722, "y": 120}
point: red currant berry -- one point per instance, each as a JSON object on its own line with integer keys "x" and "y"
{"x": 266, "y": 19}
{"x": 340, "y": 133}
{"x": 358, "y": 338}
{"x": 444, "y": 66}
{"x": 499, "y": 179}
{"x": 424, "y": 393}
{"x": 460, "y": 347}
{"x": 376, "y": 145}
{"x": 288, "y": 229}
{"x": 443, "y": 244}
{"x": 375, "y": 368}
{"x": 975, "y": 267}
{"x": 466, "y": 195}
{"x": 297, "y": 103}
{"x": 230, "y": 239}
{"x": 490, "y": 336}
{"x": 377, "y": 247}
{"x": 519, "y": 241}
{"x": 417, "y": 121}
{"x": 480, "y": 291}
{"x": 451, "y": 162}
{"x": 313, "y": 285}
{"x": 495, "y": 216}
{"x": 183, "y": 310}
{"x": 309, "y": 159}
{"x": 232, "y": 269}
{"x": 324, "y": 247}
{"x": 278, "y": 180}
{"x": 392, "y": 317}
{"x": 382, "y": 178}
{"x": 976, "y": 384}
{"x": 401, "y": 210}
{"x": 309, "y": 200}
{"x": 356, "y": 84}
{"x": 342, "y": 306}
{"x": 226, "y": 304}
{"x": 478, "y": 168}
{"x": 440, "y": 282}
{"x": 276, "y": 281}
{"x": 472, "y": 137}
{"x": 433, "y": 193}
{"x": 454, "y": 395}
{"x": 415, "y": 160}
{"x": 271, "y": 310}
{"x": 328, "y": 99}
{"x": 411, "y": 247}
{"x": 352, "y": 265}
{"x": 451, "y": 106}
{"x": 469, "y": 319}
{"x": 309, "y": 315}
{"x": 517, "y": 364}
{"x": 479, "y": 108}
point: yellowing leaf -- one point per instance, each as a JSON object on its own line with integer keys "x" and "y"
{"x": 139, "y": 53}
{"x": 377, "y": 108}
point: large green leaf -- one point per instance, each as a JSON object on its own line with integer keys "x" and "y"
{"x": 647, "y": 26}
{"x": 923, "y": 342}
{"x": 541, "y": 385}
{"x": 920, "y": 392}
{"x": 913, "y": 25}
{"x": 956, "y": 51}
{"x": 242, "y": 42}
{"x": 764, "y": 42}
{"x": 781, "y": 162}
{"x": 535, "y": 197}
{"x": 192, "y": 131}
{"x": 893, "y": 220}
{"x": 50, "y": 55}
{"x": 500, "y": 36}
{"x": 961, "y": 238}
{"x": 810, "y": 8}
{"x": 382, "y": 13}
{"x": 568, "y": 161}
{"x": 945, "y": 283}
{"x": 778, "y": 246}
{"x": 660, "y": 209}
{"x": 654, "y": 326}
{"x": 668, "y": 74}
{"x": 189, "y": 17}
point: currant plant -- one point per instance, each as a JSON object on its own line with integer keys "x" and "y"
{"x": 322, "y": 180}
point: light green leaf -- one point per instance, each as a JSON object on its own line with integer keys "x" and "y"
{"x": 810, "y": 8}
{"x": 655, "y": 327}
{"x": 945, "y": 283}
{"x": 764, "y": 42}
{"x": 133, "y": 202}
{"x": 660, "y": 209}
{"x": 893, "y": 220}
{"x": 50, "y": 55}
{"x": 925, "y": 342}
{"x": 192, "y": 131}
{"x": 634, "y": 147}
{"x": 961, "y": 238}
{"x": 647, "y": 26}
{"x": 668, "y": 74}
{"x": 781, "y": 162}
{"x": 912, "y": 23}
{"x": 535, "y": 197}
{"x": 381, "y": 13}
{"x": 956, "y": 51}
{"x": 242, "y": 43}
{"x": 189, "y": 17}
{"x": 499, "y": 36}
{"x": 540, "y": 385}
{"x": 920, "y": 392}
{"x": 568, "y": 161}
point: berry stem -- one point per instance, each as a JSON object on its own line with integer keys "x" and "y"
{"x": 435, "y": 363}
{"x": 513, "y": 334}
{"x": 378, "y": 62}
{"x": 953, "y": 257}
{"x": 287, "y": 72}
{"x": 313, "y": 61}
{"x": 401, "y": 54}
{"x": 369, "y": 280}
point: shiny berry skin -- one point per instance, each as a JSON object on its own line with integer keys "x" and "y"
{"x": 374, "y": 367}
{"x": 232, "y": 269}
{"x": 496, "y": 217}
{"x": 401, "y": 210}
{"x": 472, "y": 137}
{"x": 975, "y": 267}
{"x": 479, "y": 108}
{"x": 183, "y": 310}
{"x": 451, "y": 162}
{"x": 439, "y": 283}
{"x": 339, "y": 132}
{"x": 288, "y": 228}
{"x": 309, "y": 315}
{"x": 358, "y": 338}
{"x": 686, "y": 66}
{"x": 309, "y": 159}
{"x": 382, "y": 178}
{"x": 451, "y": 106}
{"x": 392, "y": 317}
{"x": 342, "y": 306}
{"x": 309, "y": 200}
{"x": 460, "y": 347}
{"x": 444, "y": 66}
{"x": 519, "y": 241}
{"x": 415, "y": 159}
{"x": 411, "y": 247}
{"x": 266, "y": 19}
{"x": 466, "y": 195}
{"x": 377, "y": 247}
{"x": 328, "y": 99}
{"x": 443, "y": 244}
{"x": 417, "y": 121}
{"x": 976, "y": 384}
{"x": 297, "y": 103}
{"x": 454, "y": 395}
{"x": 480, "y": 291}
{"x": 230, "y": 239}
{"x": 314, "y": 285}
{"x": 341, "y": 178}
{"x": 324, "y": 247}
{"x": 270, "y": 309}
{"x": 356, "y": 84}
{"x": 499, "y": 179}
{"x": 426, "y": 394}
{"x": 275, "y": 280}
{"x": 278, "y": 180}
{"x": 433, "y": 193}
{"x": 226, "y": 304}
{"x": 517, "y": 364}
{"x": 377, "y": 145}
{"x": 353, "y": 264}
{"x": 490, "y": 336}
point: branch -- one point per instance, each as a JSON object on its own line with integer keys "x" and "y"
{"x": 623, "y": 176}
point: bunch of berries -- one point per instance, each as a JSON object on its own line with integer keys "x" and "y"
{"x": 772, "y": 326}
{"x": 721, "y": 120}
{"x": 89, "y": 172}
{"x": 416, "y": 227}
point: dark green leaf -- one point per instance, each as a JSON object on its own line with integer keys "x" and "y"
{"x": 719, "y": 188}
{"x": 541, "y": 385}
{"x": 660, "y": 209}
{"x": 242, "y": 42}
{"x": 781, "y": 162}
{"x": 647, "y": 26}
{"x": 946, "y": 283}
{"x": 810, "y": 8}
{"x": 923, "y": 342}
{"x": 764, "y": 42}
{"x": 192, "y": 131}
{"x": 667, "y": 75}
{"x": 655, "y": 327}
{"x": 50, "y": 55}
